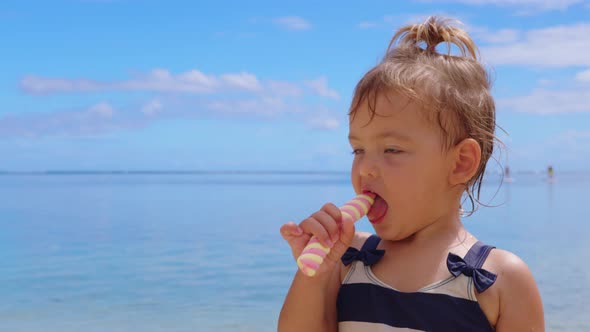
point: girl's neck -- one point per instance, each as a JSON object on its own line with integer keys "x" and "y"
{"x": 448, "y": 231}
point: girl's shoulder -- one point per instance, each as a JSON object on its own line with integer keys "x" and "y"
{"x": 510, "y": 269}
{"x": 514, "y": 293}
{"x": 513, "y": 274}
{"x": 359, "y": 239}
{"x": 501, "y": 260}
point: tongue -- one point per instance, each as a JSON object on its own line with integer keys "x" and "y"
{"x": 378, "y": 209}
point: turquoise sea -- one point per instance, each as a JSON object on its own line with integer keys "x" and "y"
{"x": 156, "y": 251}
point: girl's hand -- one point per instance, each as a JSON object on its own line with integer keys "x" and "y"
{"x": 326, "y": 224}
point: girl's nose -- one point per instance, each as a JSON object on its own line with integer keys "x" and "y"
{"x": 368, "y": 167}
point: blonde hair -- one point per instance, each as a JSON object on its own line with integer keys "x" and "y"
{"x": 455, "y": 89}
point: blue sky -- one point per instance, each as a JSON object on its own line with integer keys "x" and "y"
{"x": 263, "y": 85}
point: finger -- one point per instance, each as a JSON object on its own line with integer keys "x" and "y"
{"x": 312, "y": 226}
{"x": 340, "y": 247}
{"x": 290, "y": 229}
{"x": 347, "y": 232}
{"x": 333, "y": 211}
{"x": 329, "y": 223}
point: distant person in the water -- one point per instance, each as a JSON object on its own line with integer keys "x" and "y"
{"x": 507, "y": 177}
{"x": 550, "y": 171}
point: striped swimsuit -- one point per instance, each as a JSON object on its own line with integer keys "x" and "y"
{"x": 367, "y": 304}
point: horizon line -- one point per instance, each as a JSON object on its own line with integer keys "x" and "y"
{"x": 203, "y": 172}
{"x": 226, "y": 172}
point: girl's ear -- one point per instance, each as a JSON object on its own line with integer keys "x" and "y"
{"x": 465, "y": 158}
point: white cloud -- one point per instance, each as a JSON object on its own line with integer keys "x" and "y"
{"x": 320, "y": 87}
{"x": 102, "y": 109}
{"x": 96, "y": 119}
{"x": 558, "y": 46}
{"x": 102, "y": 117}
{"x": 502, "y": 36}
{"x": 243, "y": 81}
{"x": 397, "y": 20}
{"x": 152, "y": 107}
{"x": 190, "y": 77}
{"x": 35, "y": 84}
{"x": 283, "y": 88}
{"x": 583, "y": 76}
{"x": 547, "y": 102}
{"x": 537, "y": 5}
{"x": 266, "y": 106}
{"x": 545, "y": 82}
{"x": 324, "y": 123}
{"x": 292, "y": 23}
{"x": 159, "y": 80}
{"x": 231, "y": 94}
{"x": 191, "y": 82}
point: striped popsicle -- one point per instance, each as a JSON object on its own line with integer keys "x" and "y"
{"x": 314, "y": 253}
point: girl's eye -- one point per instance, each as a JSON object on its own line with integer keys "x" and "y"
{"x": 391, "y": 150}
{"x": 357, "y": 151}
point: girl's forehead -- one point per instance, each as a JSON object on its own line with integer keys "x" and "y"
{"x": 392, "y": 107}
{"x": 393, "y": 117}
{"x": 387, "y": 105}
{"x": 382, "y": 128}
{"x": 386, "y": 112}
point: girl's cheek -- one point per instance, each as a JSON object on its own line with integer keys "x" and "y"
{"x": 355, "y": 178}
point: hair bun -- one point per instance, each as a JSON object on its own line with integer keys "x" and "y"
{"x": 435, "y": 30}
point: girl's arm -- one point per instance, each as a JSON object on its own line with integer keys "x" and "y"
{"x": 310, "y": 304}
{"x": 520, "y": 307}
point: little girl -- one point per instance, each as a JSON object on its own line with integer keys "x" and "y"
{"x": 421, "y": 130}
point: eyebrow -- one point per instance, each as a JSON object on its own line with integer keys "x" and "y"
{"x": 383, "y": 135}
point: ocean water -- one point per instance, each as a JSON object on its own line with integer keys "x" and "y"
{"x": 202, "y": 252}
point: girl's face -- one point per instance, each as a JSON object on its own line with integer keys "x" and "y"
{"x": 399, "y": 156}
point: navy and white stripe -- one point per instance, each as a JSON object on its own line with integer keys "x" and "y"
{"x": 365, "y": 303}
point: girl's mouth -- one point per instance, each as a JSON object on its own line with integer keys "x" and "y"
{"x": 378, "y": 210}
